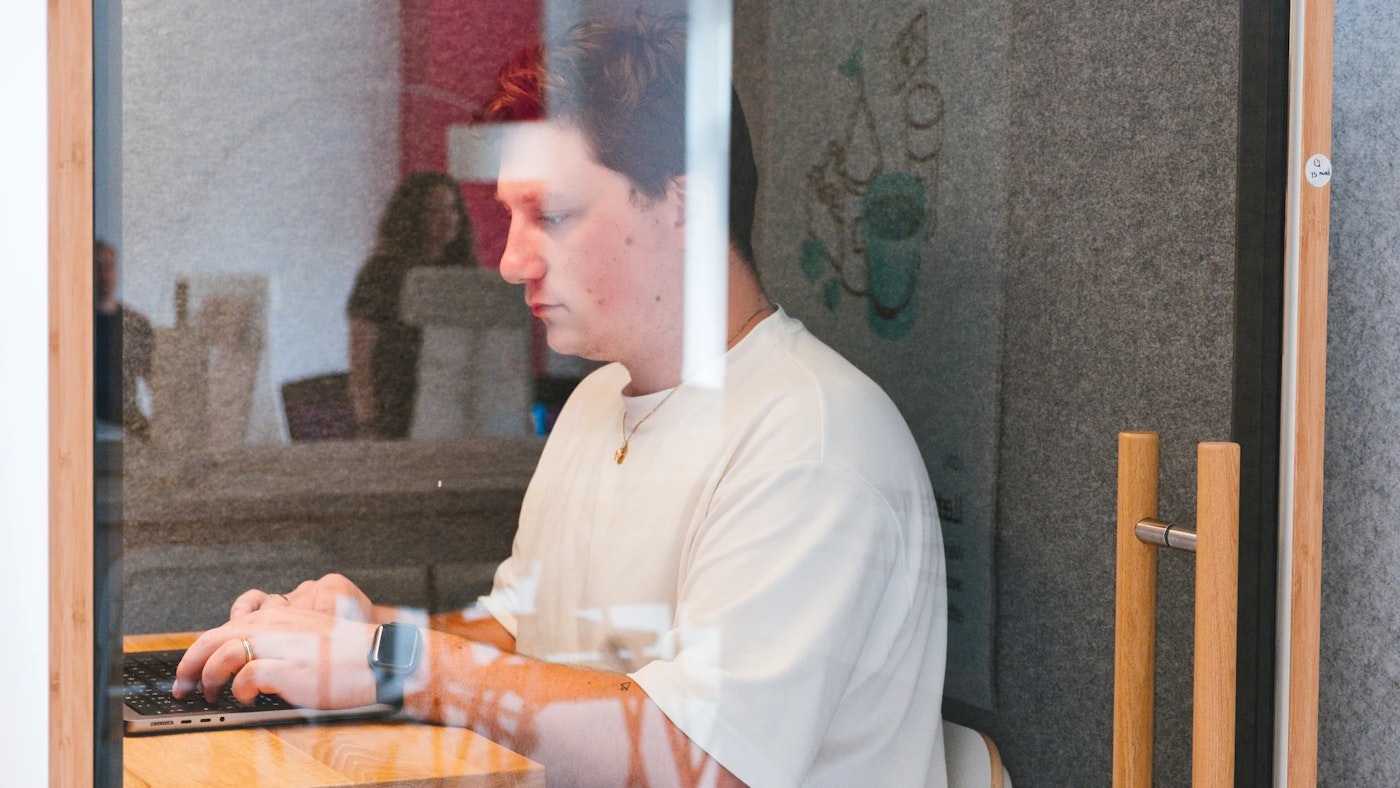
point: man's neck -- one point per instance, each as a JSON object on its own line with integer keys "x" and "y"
{"x": 748, "y": 306}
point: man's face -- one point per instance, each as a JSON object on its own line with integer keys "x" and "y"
{"x": 602, "y": 265}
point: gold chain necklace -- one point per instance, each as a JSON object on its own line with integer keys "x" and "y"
{"x": 621, "y": 453}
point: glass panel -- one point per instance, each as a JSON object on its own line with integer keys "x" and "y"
{"x": 319, "y": 368}
{"x": 339, "y": 355}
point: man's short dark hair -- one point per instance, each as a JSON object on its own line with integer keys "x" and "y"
{"x": 622, "y": 83}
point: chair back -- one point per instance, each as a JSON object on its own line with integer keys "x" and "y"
{"x": 319, "y": 408}
{"x": 474, "y": 369}
{"x": 973, "y": 759}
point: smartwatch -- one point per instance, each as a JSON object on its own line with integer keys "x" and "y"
{"x": 393, "y": 656}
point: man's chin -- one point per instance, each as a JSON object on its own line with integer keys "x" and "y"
{"x": 566, "y": 343}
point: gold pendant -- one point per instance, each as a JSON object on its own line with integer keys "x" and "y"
{"x": 620, "y": 454}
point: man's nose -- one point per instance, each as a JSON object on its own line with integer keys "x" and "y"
{"x": 520, "y": 262}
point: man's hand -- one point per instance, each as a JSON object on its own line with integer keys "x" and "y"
{"x": 334, "y": 595}
{"x": 309, "y": 658}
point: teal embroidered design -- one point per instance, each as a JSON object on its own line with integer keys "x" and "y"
{"x": 868, "y": 226}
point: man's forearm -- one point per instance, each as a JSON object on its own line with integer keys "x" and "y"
{"x": 575, "y": 720}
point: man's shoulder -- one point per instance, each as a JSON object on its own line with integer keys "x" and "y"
{"x": 795, "y": 362}
{"x": 805, "y": 393}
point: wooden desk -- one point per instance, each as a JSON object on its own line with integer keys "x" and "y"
{"x": 384, "y": 753}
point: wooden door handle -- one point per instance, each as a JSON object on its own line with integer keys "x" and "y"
{"x": 1216, "y": 545}
{"x": 1217, "y": 604}
{"x": 1135, "y": 613}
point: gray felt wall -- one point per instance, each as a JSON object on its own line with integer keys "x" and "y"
{"x": 1119, "y": 304}
{"x": 1076, "y": 280}
{"x": 1359, "y": 713}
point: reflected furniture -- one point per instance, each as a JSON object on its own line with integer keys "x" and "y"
{"x": 973, "y": 758}
{"x": 319, "y": 408}
{"x": 418, "y": 524}
{"x": 475, "y": 373}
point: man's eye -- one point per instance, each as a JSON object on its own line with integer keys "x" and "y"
{"x": 552, "y": 219}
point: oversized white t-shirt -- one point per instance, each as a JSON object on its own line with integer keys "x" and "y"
{"x": 767, "y": 564}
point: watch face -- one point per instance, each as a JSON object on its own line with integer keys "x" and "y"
{"x": 395, "y": 647}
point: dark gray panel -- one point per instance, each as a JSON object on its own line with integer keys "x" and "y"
{"x": 1119, "y": 302}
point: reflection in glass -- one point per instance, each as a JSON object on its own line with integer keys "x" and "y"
{"x": 424, "y": 225}
{"x": 252, "y": 208}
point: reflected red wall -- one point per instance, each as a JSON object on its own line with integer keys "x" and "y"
{"x": 452, "y": 50}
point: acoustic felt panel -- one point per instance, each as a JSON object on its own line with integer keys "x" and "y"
{"x": 1359, "y": 707}
{"x": 1075, "y": 279}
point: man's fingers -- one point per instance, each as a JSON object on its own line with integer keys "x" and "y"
{"x": 315, "y": 684}
{"x": 197, "y": 657}
{"x": 227, "y": 660}
{"x": 262, "y": 675}
{"x": 305, "y": 593}
{"x": 247, "y": 602}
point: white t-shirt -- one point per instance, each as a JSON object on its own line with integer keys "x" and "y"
{"x": 767, "y": 564}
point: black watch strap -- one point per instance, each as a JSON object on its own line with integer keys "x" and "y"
{"x": 389, "y": 688}
{"x": 393, "y": 657}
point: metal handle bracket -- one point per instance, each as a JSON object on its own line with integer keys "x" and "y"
{"x": 1160, "y": 534}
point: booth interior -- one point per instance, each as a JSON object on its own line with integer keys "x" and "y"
{"x": 973, "y": 201}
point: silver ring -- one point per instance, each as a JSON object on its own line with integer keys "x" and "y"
{"x": 247, "y": 650}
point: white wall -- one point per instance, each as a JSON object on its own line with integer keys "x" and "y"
{"x": 24, "y": 482}
{"x": 250, "y": 145}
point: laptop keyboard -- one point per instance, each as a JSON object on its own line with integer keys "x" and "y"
{"x": 147, "y": 677}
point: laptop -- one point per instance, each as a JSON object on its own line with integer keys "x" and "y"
{"x": 148, "y": 706}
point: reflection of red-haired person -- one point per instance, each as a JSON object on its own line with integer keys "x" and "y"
{"x": 121, "y": 349}
{"x": 424, "y": 224}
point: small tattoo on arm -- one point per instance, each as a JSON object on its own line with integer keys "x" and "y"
{"x": 626, "y": 685}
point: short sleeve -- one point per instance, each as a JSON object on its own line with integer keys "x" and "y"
{"x": 504, "y": 601}
{"x": 775, "y": 617}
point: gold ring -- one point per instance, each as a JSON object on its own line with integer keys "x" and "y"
{"x": 248, "y": 650}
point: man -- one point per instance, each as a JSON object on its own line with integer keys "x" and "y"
{"x": 708, "y": 586}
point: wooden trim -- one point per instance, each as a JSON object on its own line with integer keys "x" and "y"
{"x": 70, "y": 394}
{"x": 1217, "y": 605}
{"x": 1135, "y": 614}
{"x": 1306, "y": 579}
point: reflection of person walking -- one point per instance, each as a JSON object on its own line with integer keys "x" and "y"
{"x": 424, "y": 224}
{"x": 121, "y": 350}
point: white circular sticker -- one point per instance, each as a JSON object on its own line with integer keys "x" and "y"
{"x": 1319, "y": 170}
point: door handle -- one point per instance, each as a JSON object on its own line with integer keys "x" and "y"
{"x": 1215, "y": 543}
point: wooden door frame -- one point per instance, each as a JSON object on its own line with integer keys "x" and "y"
{"x": 1305, "y": 378}
{"x": 71, "y": 599}
{"x": 1280, "y": 369}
